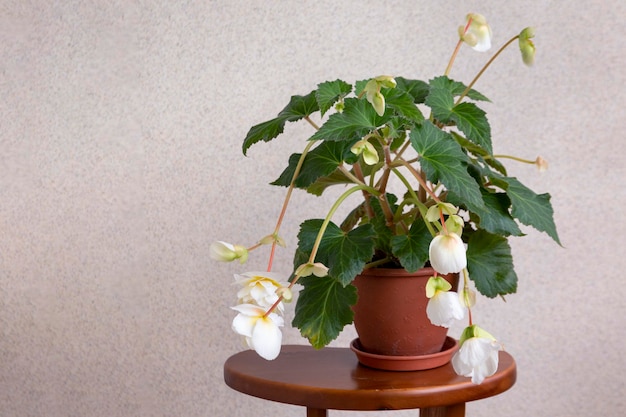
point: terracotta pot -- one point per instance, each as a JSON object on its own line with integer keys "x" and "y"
{"x": 390, "y": 314}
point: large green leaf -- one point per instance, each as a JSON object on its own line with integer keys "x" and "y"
{"x": 323, "y": 309}
{"x": 456, "y": 88}
{"x": 329, "y": 92}
{"x": 531, "y": 209}
{"x": 442, "y": 159}
{"x": 490, "y": 264}
{"x": 470, "y": 119}
{"x": 473, "y": 122}
{"x": 345, "y": 253}
{"x": 418, "y": 89}
{"x": 318, "y": 163}
{"x": 298, "y": 108}
{"x": 357, "y": 119}
{"x": 403, "y": 104}
{"x": 494, "y": 217}
{"x": 412, "y": 249}
{"x": 322, "y": 183}
{"x": 440, "y": 99}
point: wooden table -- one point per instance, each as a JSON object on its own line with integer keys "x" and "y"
{"x": 332, "y": 379}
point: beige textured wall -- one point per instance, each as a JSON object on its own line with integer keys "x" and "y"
{"x": 120, "y": 132}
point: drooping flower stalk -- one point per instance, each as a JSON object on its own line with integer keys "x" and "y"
{"x": 418, "y": 203}
{"x": 484, "y": 68}
{"x": 457, "y": 48}
{"x": 283, "y": 210}
{"x": 320, "y": 234}
{"x": 420, "y": 179}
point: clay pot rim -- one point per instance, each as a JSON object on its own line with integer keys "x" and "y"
{"x": 399, "y": 272}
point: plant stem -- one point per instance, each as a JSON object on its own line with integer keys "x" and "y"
{"x": 466, "y": 295}
{"x": 484, "y": 68}
{"x": 318, "y": 240}
{"x": 420, "y": 179}
{"x": 453, "y": 57}
{"x": 515, "y": 158}
{"x": 281, "y": 216}
{"x": 456, "y": 49}
{"x": 366, "y": 196}
{"x": 418, "y": 203}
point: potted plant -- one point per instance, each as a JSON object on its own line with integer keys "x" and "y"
{"x": 454, "y": 213}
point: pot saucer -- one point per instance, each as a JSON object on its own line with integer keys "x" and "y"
{"x": 406, "y": 363}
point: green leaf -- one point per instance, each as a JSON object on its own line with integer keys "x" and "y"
{"x": 344, "y": 253}
{"x": 456, "y": 88}
{"x": 403, "y": 104}
{"x": 323, "y": 309}
{"x": 470, "y": 119}
{"x": 321, "y": 184}
{"x": 490, "y": 264}
{"x": 298, "y": 108}
{"x": 442, "y": 159}
{"x": 318, "y": 163}
{"x": 416, "y": 88}
{"x": 412, "y": 249}
{"x": 494, "y": 217}
{"x": 329, "y": 92}
{"x": 357, "y": 119}
{"x": 473, "y": 122}
{"x": 531, "y": 209}
{"x": 440, "y": 100}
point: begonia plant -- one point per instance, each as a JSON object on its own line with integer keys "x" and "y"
{"x": 455, "y": 211}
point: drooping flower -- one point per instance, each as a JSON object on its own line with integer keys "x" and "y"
{"x": 542, "y": 164}
{"x": 444, "y": 306}
{"x": 478, "y": 355}
{"x": 365, "y": 148}
{"x": 373, "y": 94}
{"x": 261, "y": 332}
{"x": 259, "y": 288}
{"x": 476, "y": 32}
{"x": 526, "y": 45}
{"x": 434, "y": 212}
{"x": 318, "y": 269}
{"x": 447, "y": 253}
{"x": 227, "y": 252}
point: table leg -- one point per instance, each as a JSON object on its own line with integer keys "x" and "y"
{"x": 316, "y": 412}
{"x": 455, "y": 410}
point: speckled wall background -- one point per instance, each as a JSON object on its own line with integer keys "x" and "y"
{"x": 120, "y": 131}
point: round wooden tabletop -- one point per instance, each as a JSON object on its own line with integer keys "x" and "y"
{"x": 332, "y": 378}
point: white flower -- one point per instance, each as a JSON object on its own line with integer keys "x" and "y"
{"x": 476, "y": 32}
{"x": 444, "y": 308}
{"x": 226, "y": 252}
{"x": 259, "y": 288}
{"x": 478, "y": 355}
{"x": 261, "y": 332}
{"x": 447, "y": 253}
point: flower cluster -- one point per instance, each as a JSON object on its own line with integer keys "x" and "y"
{"x": 455, "y": 211}
{"x": 477, "y": 356}
{"x": 260, "y": 309}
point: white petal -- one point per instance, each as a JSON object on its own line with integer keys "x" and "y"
{"x": 267, "y": 337}
{"x": 477, "y": 358}
{"x": 447, "y": 253}
{"x": 243, "y": 324}
{"x": 444, "y": 308}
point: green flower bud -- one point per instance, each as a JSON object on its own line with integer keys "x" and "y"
{"x": 526, "y": 45}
